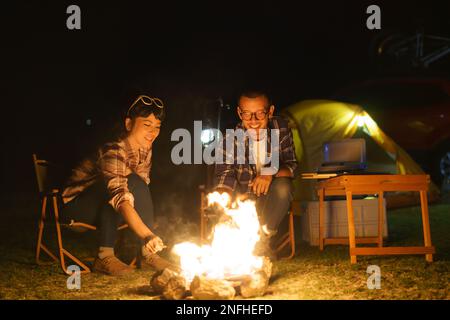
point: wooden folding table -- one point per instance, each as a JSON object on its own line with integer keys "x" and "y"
{"x": 350, "y": 185}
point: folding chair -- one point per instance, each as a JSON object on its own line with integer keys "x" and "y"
{"x": 287, "y": 239}
{"x": 47, "y": 193}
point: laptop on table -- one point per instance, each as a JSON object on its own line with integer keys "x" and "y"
{"x": 344, "y": 156}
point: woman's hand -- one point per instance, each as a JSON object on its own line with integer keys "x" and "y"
{"x": 154, "y": 244}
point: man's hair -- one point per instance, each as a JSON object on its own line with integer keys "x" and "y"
{"x": 254, "y": 93}
{"x": 140, "y": 109}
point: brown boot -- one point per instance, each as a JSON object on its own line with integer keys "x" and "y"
{"x": 156, "y": 262}
{"x": 112, "y": 266}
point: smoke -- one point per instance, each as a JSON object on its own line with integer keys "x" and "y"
{"x": 173, "y": 223}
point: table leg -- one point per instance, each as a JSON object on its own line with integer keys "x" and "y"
{"x": 425, "y": 223}
{"x": 351, "y": 225}
{"x": 321, "y": 217}
{"x": 380, "y": 218}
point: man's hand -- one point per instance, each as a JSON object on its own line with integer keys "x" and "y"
{"x": 261, "y": 184}
{"x": 154, "y": 244}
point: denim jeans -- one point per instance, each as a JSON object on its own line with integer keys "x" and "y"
{"x": 274, "y": 206}
{"x": 92, "y": 207}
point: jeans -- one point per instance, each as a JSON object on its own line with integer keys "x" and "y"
{"x": 274, "y": 206}
{"x": 92, "y": 207}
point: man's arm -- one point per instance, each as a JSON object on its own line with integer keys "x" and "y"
{"x": 288, "y": 160}
{"x": 224, "y": 172}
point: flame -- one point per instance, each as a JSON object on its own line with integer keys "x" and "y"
{"x": 231, "y": 250}
{"x": 222, "y": 199}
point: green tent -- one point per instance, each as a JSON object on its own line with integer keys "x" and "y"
{"x": 314, "y": 122}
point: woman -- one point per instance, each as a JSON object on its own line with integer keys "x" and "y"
{"x": 112, "y": 188}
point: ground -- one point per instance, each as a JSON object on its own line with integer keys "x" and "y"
{"x": 309, "y": 275}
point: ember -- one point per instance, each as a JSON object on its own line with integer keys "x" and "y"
{"x": 216, "y": 270}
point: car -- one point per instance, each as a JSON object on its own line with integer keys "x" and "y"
{"x": 414, "y": 112}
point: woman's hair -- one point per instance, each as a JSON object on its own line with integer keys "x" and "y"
{"x": 141, "y": 109}
{"x": 137, "y": 109}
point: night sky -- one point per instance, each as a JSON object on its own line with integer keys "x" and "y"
{"x": 187, "y": 54}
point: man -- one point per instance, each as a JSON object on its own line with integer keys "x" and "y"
{"x": 111, "y": 188}
{"x": 269, "y": 183}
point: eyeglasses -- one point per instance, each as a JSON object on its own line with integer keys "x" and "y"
{"x": 259, "y": 115}
{"x": 147, "y": 101}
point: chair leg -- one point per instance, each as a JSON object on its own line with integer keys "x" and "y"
{"x": 288, "y": 237}
{"x": 380, "y": 218}
{"x": 425, "y": 223}
{"x": 291, "y": 234}
{"x": 39, "y": 244}
{"x": 321, "y": 218}
{"x": 133, "y": 262}
{"x": 63, "y": 251}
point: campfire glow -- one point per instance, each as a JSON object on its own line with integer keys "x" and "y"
{"x": 230, "y": 253}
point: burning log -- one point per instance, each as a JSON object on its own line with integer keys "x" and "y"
{"x": 160, "y": 280}
{"x": 257, "y": 284}
{"x": 170, "y": 284}
{"x": 175, "y": 289}
{"x": 267, "y": 267}
{"x": 212, "y": 289}
{"x": 228, "y": 264}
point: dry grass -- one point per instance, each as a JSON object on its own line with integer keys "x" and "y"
{"x": 310, "y": 275}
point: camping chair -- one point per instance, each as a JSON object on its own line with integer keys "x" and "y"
{"x": 47, "y": 192}
{"x": 287, "y": 239}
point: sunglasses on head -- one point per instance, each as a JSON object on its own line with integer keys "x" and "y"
{"x": 147, "y": 101}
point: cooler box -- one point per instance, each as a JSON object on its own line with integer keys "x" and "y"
{"x": 365, "y": 213}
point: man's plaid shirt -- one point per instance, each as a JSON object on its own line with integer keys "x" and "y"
{"x": 239, "y": 174}
{"x": 112, "y": 163}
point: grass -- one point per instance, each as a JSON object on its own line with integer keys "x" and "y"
{"x": 309, "y": 275}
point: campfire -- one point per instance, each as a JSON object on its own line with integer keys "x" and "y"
{"x": 225, "y": 267}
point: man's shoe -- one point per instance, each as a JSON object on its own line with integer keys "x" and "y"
{"x": 111, "y": 266}
{"x": 156, "y": 262}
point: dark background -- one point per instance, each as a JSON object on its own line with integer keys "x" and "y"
{"x": 187, "y": 53}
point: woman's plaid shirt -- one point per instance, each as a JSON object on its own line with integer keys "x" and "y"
{"x": 112, "y": 163}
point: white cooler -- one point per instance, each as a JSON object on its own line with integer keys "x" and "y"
{"x": 366, "y": 219}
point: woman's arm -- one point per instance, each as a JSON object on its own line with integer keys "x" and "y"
{"x": 134, "y": 221}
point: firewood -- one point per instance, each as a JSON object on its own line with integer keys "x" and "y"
{"x": 212, "y": 289}
{"x": 257, "y": 286}
{"x": 160, "y": 279}
{"x": 258, "y": 283}
{"x": 267, "y": 267}
{"x": 175, "y": 288}
{"x": 238, "y": 278}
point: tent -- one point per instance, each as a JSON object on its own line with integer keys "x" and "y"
{"x": 314, "y": 122}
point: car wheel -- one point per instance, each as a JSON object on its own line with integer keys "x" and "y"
{"x": 444, "y": 168}
{"x": 441, "y": 166}
{"x": 444, "y": 164}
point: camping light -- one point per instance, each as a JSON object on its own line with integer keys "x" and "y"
{"x": 364, "y": 121}
{"x": 361, "y": 121}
